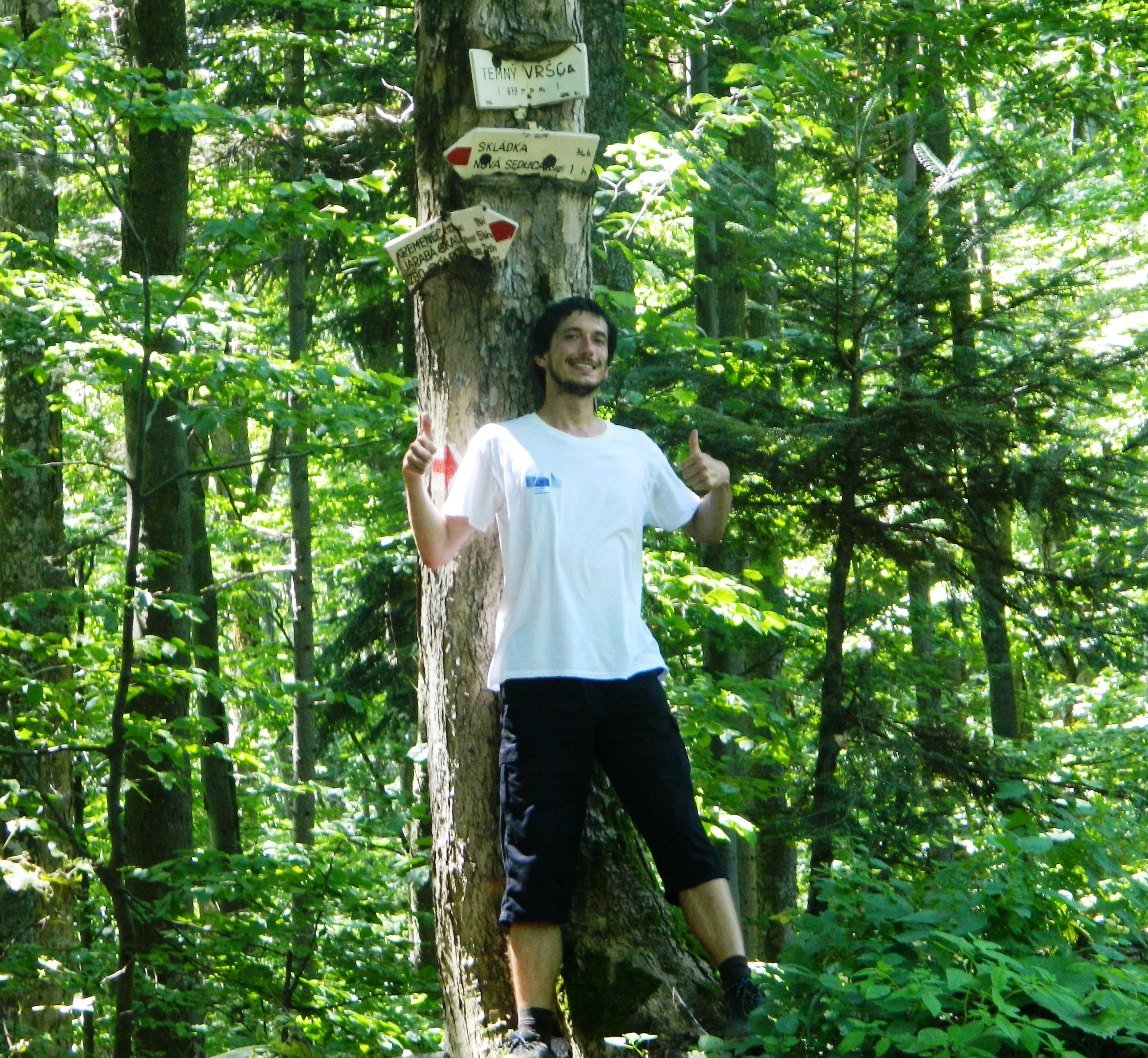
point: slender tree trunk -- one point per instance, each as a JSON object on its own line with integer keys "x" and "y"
{"x": 157, "y": 804}
{"x": 305, "y": 736}
{"x": 922, "y": 636}
{"x": 154, "y": 229}
{"x": 221, "y": 801}
{"x": 911, "y": 295}
{"x": 834, "y": 722}
{"x": 302, "y": 589}
{"x": 707, "y": 253}
{"x": 775, "y": 854}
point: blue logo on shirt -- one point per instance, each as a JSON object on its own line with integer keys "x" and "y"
{"x": 541, "y": 483}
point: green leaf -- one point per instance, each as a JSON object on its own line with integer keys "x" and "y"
{"x": 788, "y": 1023}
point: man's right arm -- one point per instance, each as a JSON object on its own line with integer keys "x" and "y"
{"x": 438, "y": 538}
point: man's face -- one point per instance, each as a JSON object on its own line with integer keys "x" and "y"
{"x": 577, "y": 361}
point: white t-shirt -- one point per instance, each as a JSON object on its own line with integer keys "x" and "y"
{"x": 570, "y": 513}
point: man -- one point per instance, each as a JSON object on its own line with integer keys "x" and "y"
{"x": 577, "y": 667}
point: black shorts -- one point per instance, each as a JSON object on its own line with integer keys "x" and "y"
{"x": 553, "y": 731}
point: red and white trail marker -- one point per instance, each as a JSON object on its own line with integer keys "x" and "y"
{"x": 524, "y": 152}
{"x": 476, "y": 230}
{"x": 509, "y": 83}
{"x": 444, "y": 463}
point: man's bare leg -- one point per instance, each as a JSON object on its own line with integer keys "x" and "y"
{"x": 710, "y": 913}
{"x": 535, "y": 950}
{"x": 535, "y": 960}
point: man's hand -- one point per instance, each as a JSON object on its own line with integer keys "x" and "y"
{"x": 438, "y": 539}
{"x": 702, "y": 472}
{"x": 419, "y": 455}
{"x": 710, "y": 477}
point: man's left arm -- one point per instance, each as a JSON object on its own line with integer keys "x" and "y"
{"x": 710, "y": 477}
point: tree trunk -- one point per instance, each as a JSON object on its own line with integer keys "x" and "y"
{"x": 707, "y": 253}
{"x": 922, "y": 636}
{"x": 472, "y": 319}
{"x": 159, "y": 1018}
{"x": 738, "y": 301}
{"x": 987, "y": 504}
{"x": 775, "y": 854}
{"x": 220, "y": 799}
{"x": 626, "y": 951}
{"x": 305, "y": 735}
{"x": 834, "y": 721}
{"x": 911, "y": 295}
{"x": 31, "y": 537}
{"x": 605, "y": 35}
{"x": 154, "y": 224}
{"x": 157, "y": 802}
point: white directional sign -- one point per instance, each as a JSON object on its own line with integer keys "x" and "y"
{"x": 477, "y": 231}
{"x": 509, "y": 83}
{"x": 484, "y": 232}
{"x": 526, "y": 152}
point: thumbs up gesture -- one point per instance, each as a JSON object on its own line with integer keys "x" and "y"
{"x": 420, "y": 454}
{"x": 703, "y": 473}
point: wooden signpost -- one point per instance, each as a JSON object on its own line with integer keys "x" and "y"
{"x": 524, "y": 152}
{"x": 510, "y": 83}
{"x": 477, "y": 231}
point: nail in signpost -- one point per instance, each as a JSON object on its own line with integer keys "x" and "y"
{"x": 524, "y": 152}
{"x": 477, "y": 231}
{"x": 509, "y": 83}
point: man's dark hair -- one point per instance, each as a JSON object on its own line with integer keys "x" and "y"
{"x": 542, "y": 333}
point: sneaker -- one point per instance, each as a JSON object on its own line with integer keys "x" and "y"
{"x": 527, "y": 1044}
{"x": 741, "y": 1000}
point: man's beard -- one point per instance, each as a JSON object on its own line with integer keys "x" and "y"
{"x": 574, "y": 387}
